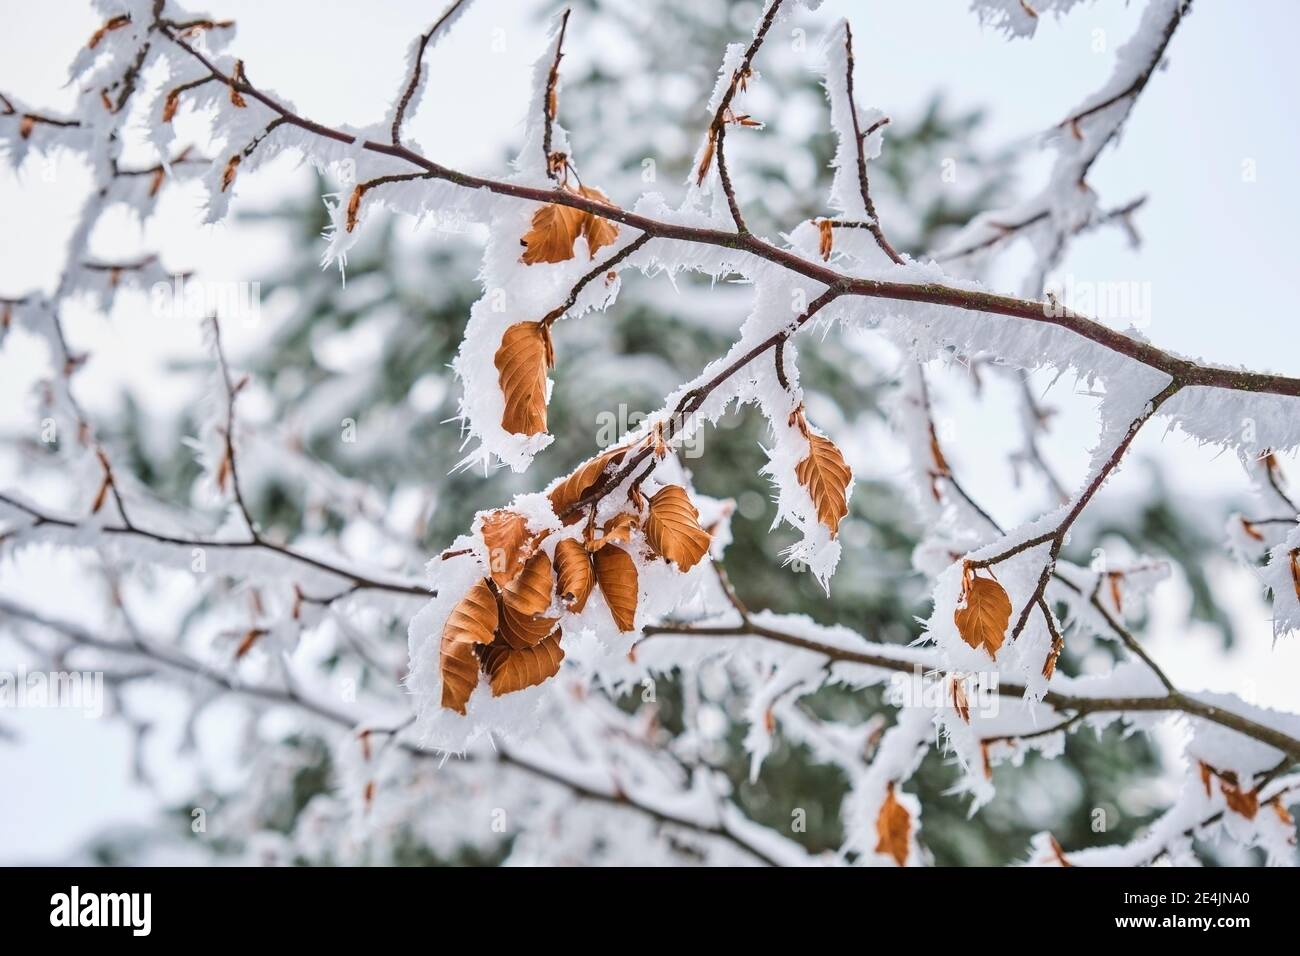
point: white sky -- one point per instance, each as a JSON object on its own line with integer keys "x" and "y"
{"x": 1217, "y": 250}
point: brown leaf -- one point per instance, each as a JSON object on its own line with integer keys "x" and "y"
{"x": 530, "y": 591}
{"x": 115, "y": 23}
{"x": 599, "y": 231}
{"x": 1058, "y": 851}
{"x": 826, "y": 238}
{"x": 249, "y": 639}
{"x": 616, "y": 574}
{"x": 554, "y": 231}
{"x": 986, "y": 611}
{"x": 574, "y": 573}
{"x": 1244, "y": 802}
{"x": 522, "y": 360}
{"x": 354, "y": 206}
{"x": 826, "y": 476}
{"x": 706, "y": 160}
{"x": 960, "y": 702}
{"x": 1251, "y": 530}
{"x": 101, "y": 495}
{"x": 171, "y": 105}
{"x": 583, "y": 479}
{"x": 509, "y": 545}
{"x": 673, "y": 528}
{"x": 617, "y": 530}
{"x": 1207, "y": 772}
{"x": 228, "y": 174}
{"x": 1295, "y": 571}
{"x": 523, "y": 630}
{"x": 472, "y": 621}
{"x": 25, "y": 126}
{"x": 893, "y": 828}
{"x": 510, "y": 669}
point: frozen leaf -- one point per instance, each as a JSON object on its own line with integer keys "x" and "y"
{"x": 617, "y": 530}
{"x": 573, "y": 488}
{"x": 510, "y": 669}
{"x": 522, "y": 360}
{"x": 616, "y": 574}
{"x": 825, "y": 475}
{"x": 575, "y": 575}
{"x": 673, "y": 528}
{"x": 825, "y": 238}
{"x": 985, "y": 612}
{"x": 523, "y": 630}
{"x": 893, "y": 828}
{"x": 599, "y": 231}
{"x": 554, "y": 231}
{"x": 509, "y": 544}
{"x": 472, "y": 621}
{"x": 530, "y": 591}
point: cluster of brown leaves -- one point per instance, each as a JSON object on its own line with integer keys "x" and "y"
{"x": 501, "y": 628}
{"x": 893, "y": 828}
{"x": 983, "y": 613}
{"x": 824, "y": 473}
{"x": 556, "y": 228}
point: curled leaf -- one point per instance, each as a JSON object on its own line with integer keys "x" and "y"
{"x": 617, "y": 530}
{"x": 985, "y": 612}
{"x": 598, "y": 230}
{"x": 574, "y": 573}
{"x": 616, "y": 574}
{"x": 555, "y": 229}
{"x": 228, "y": 174}
{"x": 472, "y": 621}
{"x": 826, "y": 238}
{"x": 522, "y": 360}
{"x": 509, "y": 545}
{"x": 893, "y": 828}
{"x": 960, "y": 702}
{"x": 583, "y": 479}
{"x": 529, "y": 593}
{"x": 673, "y": 528}
{"x": 511, "y": 669}
{"x": 523, "y": 630}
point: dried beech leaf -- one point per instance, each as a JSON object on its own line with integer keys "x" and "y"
{"x": 1295, "y": 572}
{"x": 982, "y": 621}
{"x": 826, "y": 476}
{"x": 960, "y": 702}
{"x": 472, "y": 621}
{"x": 530, "y": 591}
{"x": 673, "y": 528}
{"x": 584, "y": 479}
{"x": 523, "y": 630}
{"x": 617, "y": 530}
{"x": 522, "y": 360}
{"x": 509, "y": 544}
{"x": 574, "y": 573}
{"x": 826, "y": 238}
{"x": 1244, "y": 802}
{"x": 599, "y": 231}
{"x": 616, "y": 574}
{"x": 893, "y": 828}
{"x": 554, "y": 231}
{"x": 510, "y": 669}
{"x": 228, "y": 174}
{"x": 706, "y": 160}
